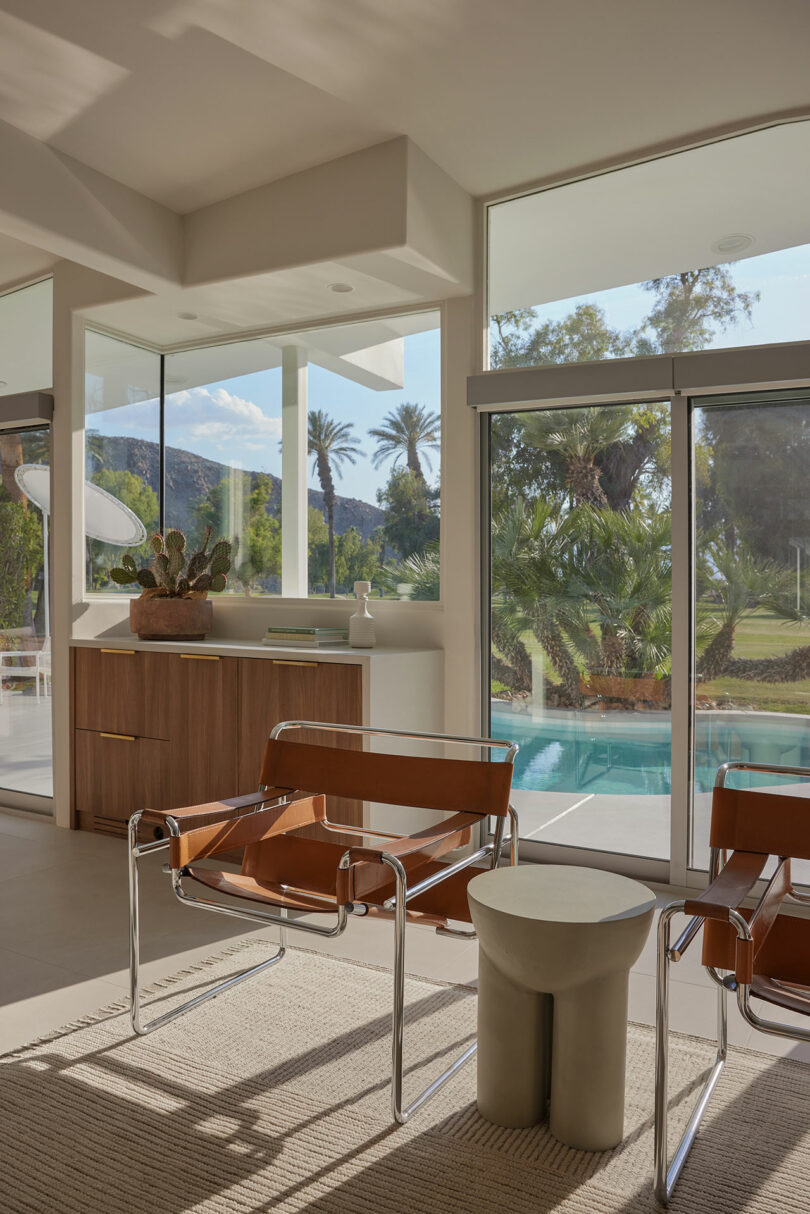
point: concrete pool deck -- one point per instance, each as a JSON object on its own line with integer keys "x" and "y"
{"x": 25, "y": 743}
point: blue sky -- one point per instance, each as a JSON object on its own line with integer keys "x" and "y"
{"x": 238, "y": 420}
{"x": 782, "y": 313}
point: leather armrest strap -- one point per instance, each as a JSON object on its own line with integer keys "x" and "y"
{"x": 215, "y": 809}
{"x": 768, "y": 906}
{"x": 728, "y": 891}
{"x": 434, "y": 841}
{"x": 731, "y": 886}
{"x": 222, "y": 836}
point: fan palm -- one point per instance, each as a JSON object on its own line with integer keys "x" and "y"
{"x": 621, "y": 582}
{"x": 530, "y": 546}
{"x": 738, "y": 582}
{"x": 407, "y": 431}
{"x": 331, "y": 443}
{"x": 578, "y": 436}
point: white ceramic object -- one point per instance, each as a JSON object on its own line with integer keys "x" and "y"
{"x": 361, "y": 624}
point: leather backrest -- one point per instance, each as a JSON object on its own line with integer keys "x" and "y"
{"x": 744, "y": 819}
{"x": 457, "y": 785}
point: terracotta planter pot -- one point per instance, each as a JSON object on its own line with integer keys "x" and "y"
{"x": 171, "y": 619}
{"x": 653, "y": 690}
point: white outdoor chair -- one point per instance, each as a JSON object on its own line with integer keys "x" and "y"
{"x": 40, "y": 666}
{"x": 44, "y": 665}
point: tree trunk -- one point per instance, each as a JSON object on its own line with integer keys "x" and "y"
{"x": 791, "y": 668}
{"x": 514, "y": 652}
{"x": 612, "y": 653}
{"x": 717, "y": 654}
{"x": 414, "y": 462}
{"x": 330, "y": 518}
{"x": 551, "y": 638}
{"x": 328, "y": 487}
{"x": 622, "y": 464}
{"x": 583, "y": 480}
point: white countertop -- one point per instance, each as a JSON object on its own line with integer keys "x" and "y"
{"x": 252, "y": 649}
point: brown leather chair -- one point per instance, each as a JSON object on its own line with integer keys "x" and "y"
{"x": 759, "y": 953}
{"x": 298, "y": 863}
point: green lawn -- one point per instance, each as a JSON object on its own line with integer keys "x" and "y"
{"x": 760, "y": 635}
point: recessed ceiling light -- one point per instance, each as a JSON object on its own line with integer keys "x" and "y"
{"x": 735, "y": 242}
{"x": 186, "y": 315}
{"x": 340, "y": 288}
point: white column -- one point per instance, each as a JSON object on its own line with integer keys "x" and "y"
{"x": 294, "y": 472}
{"x": 683, "y": 581}
{"x": 67, "y": 521}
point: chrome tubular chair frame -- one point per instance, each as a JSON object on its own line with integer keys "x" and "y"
{"x": 666, "y": 1175}
{"x": 397, "y": 904}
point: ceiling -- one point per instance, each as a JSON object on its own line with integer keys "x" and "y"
{"x": 652, "y": 219}
{"x": 192, "y": 101}
{"x": 369, "y": 353}
{"x": 20, "y": 263}
{"x": 183, "y": 104}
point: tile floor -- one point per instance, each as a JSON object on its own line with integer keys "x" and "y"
{"x": 63, "y": 940}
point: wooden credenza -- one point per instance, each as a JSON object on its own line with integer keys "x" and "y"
{"x": 165, "y": 726}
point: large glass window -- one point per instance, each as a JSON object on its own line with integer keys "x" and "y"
{"x": 374, "y": 437}
{"x": 223, "y": 455}
{"x": 581, "y": 632}
{"x": 694, "y": 251}
{"x": 25, "y": 643}
{"x": 317, "y": 453}
{"x": 122, "y": 454}
{"x": 752, "y": 558}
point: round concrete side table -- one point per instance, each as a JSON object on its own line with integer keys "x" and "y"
{"x": 556, "y": 947}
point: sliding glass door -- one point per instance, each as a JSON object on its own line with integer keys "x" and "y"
{"x": 627, "y": 684}
{"x": 25, "y": 656}
{"x": 752, "y": 617}
{"x": 581, "y": 621}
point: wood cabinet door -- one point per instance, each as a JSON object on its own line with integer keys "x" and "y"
{"x": 274, "y": 689}
{"x": 119, "y": 690}
{"x": 117, "y": 774}
{"x": 201, "y": 694}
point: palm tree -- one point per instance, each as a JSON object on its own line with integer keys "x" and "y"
{"x": 407, "y": 430}
{"x": 737, "y": 581}
{"x": 331, "y": 442}
{"x": 578, "y": 436}
{"x": 530, "y": 547}
{"x": 621, "y": 583}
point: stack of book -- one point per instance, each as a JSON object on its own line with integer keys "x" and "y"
{"x": 306, "y": 638}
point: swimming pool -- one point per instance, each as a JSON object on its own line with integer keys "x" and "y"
{"x": 630, "y": 752}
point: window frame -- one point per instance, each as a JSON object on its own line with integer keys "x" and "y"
{"x": 162, "y": 352}
{"x": 686, "y": 381}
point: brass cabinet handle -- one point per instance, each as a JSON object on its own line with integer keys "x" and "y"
{"x": 201, "y": 657}
{"x": 120, "y": 737}
{"x": 117, "y": 651}
{"x": 289, "y": 662}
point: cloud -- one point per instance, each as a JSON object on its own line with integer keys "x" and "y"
{"x": 219, "y": 417}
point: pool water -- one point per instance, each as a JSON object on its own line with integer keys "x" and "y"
{"x": 630, "y": 752}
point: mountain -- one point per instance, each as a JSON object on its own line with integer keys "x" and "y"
{"x": 191, "y": 477}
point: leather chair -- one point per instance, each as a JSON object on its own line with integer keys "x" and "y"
{"x": 297, "y": 863}
{"x": 754, "y": 953}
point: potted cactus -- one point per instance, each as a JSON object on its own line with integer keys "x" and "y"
{"x": 173, "y": 602}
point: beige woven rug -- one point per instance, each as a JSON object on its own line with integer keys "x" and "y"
{"x": 275, "y": 1097}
